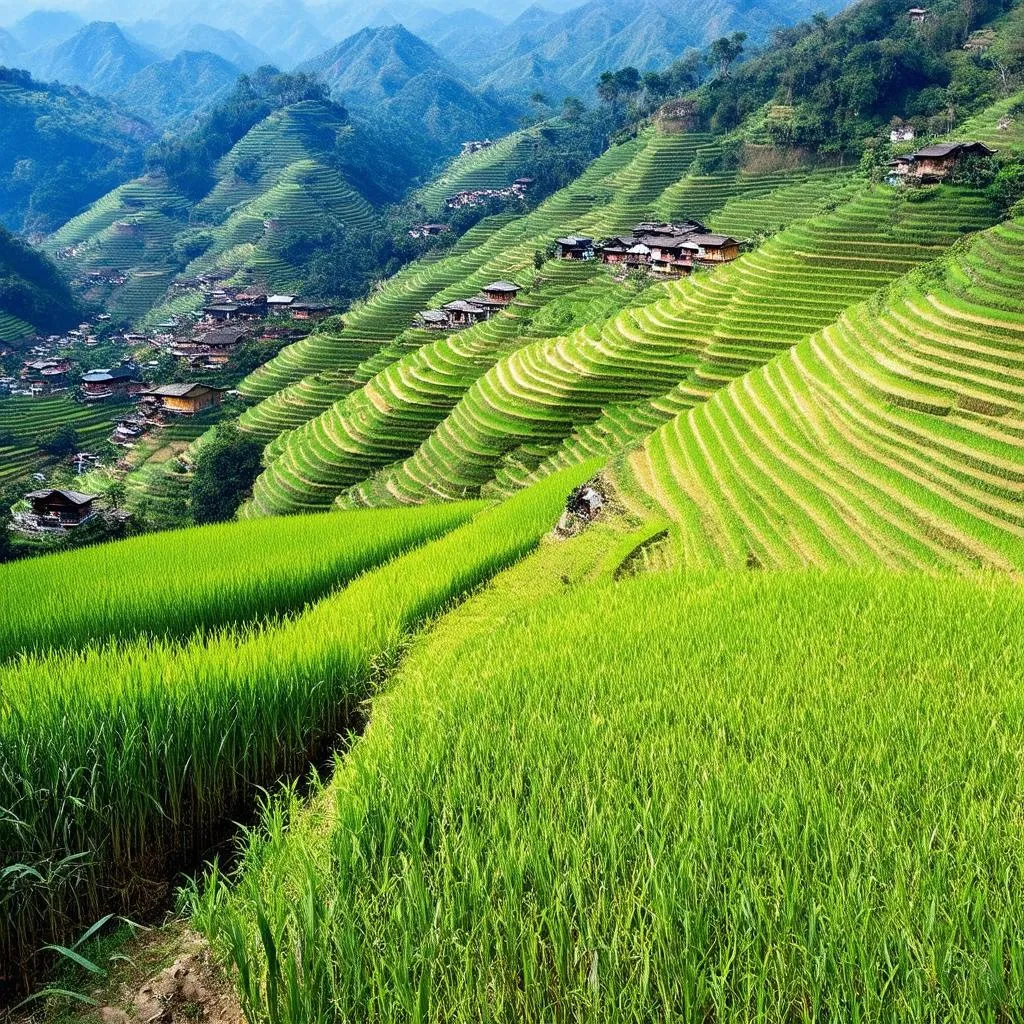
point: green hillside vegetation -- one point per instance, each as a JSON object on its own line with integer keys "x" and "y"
{"x": 267, "y": 696}
{"x": 272, "y": 188}
{"x": 890, "y": 436}
{"x": 26, "y": 424}
{"x": 732, "y": 796}
{"x": 34, "y": 298}
{"x": 170, "y": 90}
{"x": 59, "y": 150}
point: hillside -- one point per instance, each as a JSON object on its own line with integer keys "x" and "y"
{"x": 566, "y": 53}
{"x": 34, "y": 298}
{"x": 60, "y": 149}
{"x": 391, "y": 77}
{"x": 167, "y": 90}
{"x": 645, "y": 650}
{"x": 99, "y": 58}
{"x": 274, "y": 187}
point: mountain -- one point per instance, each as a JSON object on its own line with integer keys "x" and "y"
{"x": 171, "y": 40}
{"x": 45, "y": 28}
{"x": 376, "y": 64}
{"x": 59, "y": 150}
{"x": 450, "y": 32}
{"x": 99, "y": 57}
{"x": 10, "y": 49}
{"x": 171, "y": 89}
{"x": 32, "y": 292}
{"x": 566, "y": 53}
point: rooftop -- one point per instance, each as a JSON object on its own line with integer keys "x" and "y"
{"x": 75, "y": 497}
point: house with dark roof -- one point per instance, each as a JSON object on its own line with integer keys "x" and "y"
{"x": 934, "y": 163}
{"x": 119, "y": 381}
{"x": 501, "y": 293}
{"x": 54, "y": 508}
{"x": 184, "y": 399}
{"x": 465, "y": 313}
{"x": 575, "y": 247}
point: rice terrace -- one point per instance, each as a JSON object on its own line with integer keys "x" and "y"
{"x": 512, "y": 515}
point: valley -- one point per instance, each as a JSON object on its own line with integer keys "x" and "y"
{"x": 482, "y": 551}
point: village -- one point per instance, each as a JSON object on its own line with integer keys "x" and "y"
{"x": 659, "y": 248}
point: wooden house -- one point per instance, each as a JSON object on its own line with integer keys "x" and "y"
{"x": 310, "y": 310}
{"x": 672, "y": 255}
{"x": 501, "y": 293}
{"x": 464, "y": 313}
{"x": 222, "y": 311}
{"x": 117, "y": 382}
{"x": 918, "y": 15}
{"x": 433, "y": 320}
{"x": 713, "y": 248}
{"x": 575, "y": 247}
{"x": 278, "y": 304}
{"x": 185, "y": 399}
{"x": 935, "y": 163}
{"x": 53, "y": 508}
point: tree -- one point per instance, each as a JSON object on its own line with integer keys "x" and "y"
{"x": 116, "y": 494}
{"x": 572, "y": 108}
{"x": 726, "y": 51}
{"x": 225, "y": 471}
{"x": 62, "y": 441}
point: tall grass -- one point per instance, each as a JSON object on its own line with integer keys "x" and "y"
{"x": 169, "y": 584}
{"x": 733, "y": 797}
{"x": 116, "y": 764}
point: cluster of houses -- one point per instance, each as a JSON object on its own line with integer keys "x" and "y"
{"x": 428, "y": 230}
{"x": 481, "y": 196}
{"x": 45, "y": 367}
{"x": 462, "y": 313}
{"x": 659, "y": 247}
{"x": 227, "y": 304}
{"x": 933, "y": 164}
{"x": 475, "y": 146}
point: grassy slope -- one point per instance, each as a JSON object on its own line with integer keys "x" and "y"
{"x": 276, "y": 171}
{"x": 892, "y": 435}
{"x": 744, "y": 797}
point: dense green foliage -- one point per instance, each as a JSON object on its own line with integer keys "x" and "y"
{"x": 189, "y": 161}
{"x": 32, "y": 288}
{"x": 843, "y": 79}
{"x": 59, "y": 150}
{"x": 225, "y": 470}
{"x": 743, "y": 797}
{"x": 116, "y": 762}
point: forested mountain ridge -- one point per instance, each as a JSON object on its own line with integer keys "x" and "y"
{"x": 99, "y": 58}
{"x": 168, "y": 90}
{"x": 60, "y": 148}
{"x": 34, "y": 297}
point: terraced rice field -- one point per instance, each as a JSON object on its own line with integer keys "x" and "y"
{"x": 494, "y": 168}
{"x": 405, "y": 401}
{"x": 14, "y": 329}
{"x": 894, "y": 435}
{"x": 732, "y": 796}
{"x": 531, "y": 412}
{"x": 265, "y": 695}
{"x": 24, "y": 421}
{"x": 272, "y": 183}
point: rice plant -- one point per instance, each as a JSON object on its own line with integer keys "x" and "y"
{"x": 728, "y": 797}
{"x": 119, "y": 763}
{"x": 170, "y": 584}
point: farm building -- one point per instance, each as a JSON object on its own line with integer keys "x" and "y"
{"x": 935, "y": 163}
{"x": 222, "y": 311}
{"x": 310, "y": 310}
{"x": 279, "y": 303}
{"x": 575, "y": 247}
{"x": 184, "y": 399}
{"x": 501, "y": 292}
{"x": 464, "y": 313}
{"x": 53, "y": 508}
{"x": 715, "y": 248}
{"x": 902, "y": 133}
{"x": 428, "y": 230}
{"x": 918, "y": 15}
{"x": 102, "y": 384}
